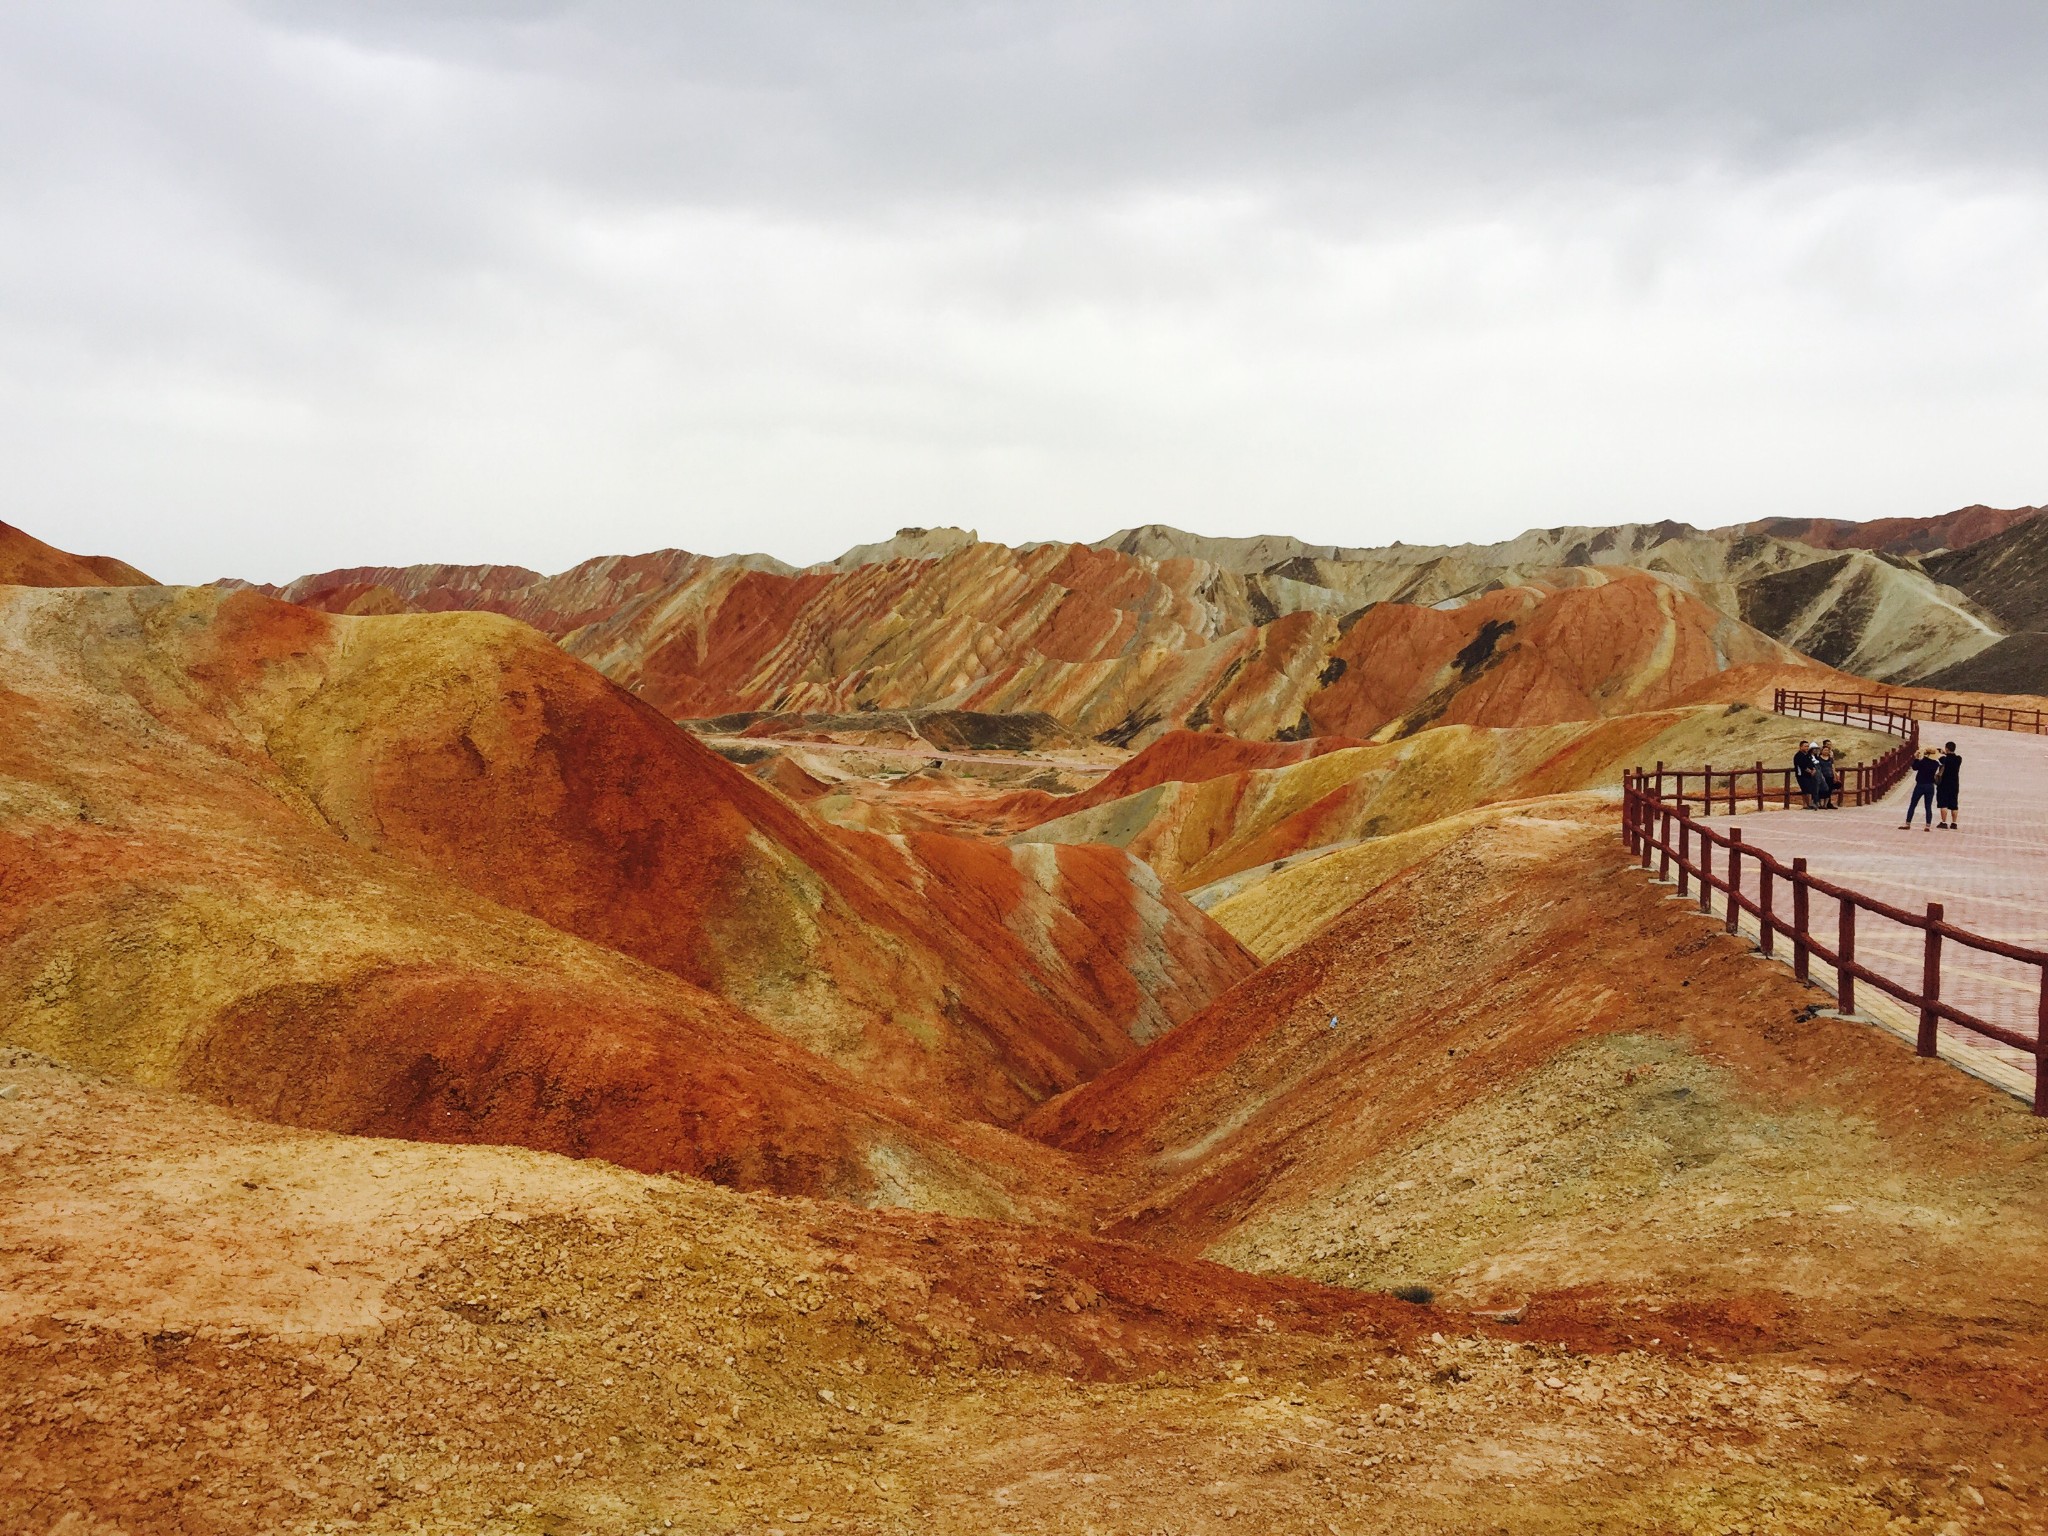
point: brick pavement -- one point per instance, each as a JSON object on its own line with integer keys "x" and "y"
{"x": 1991, "y": 877}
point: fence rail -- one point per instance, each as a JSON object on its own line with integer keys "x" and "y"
{"x": 1829, "y": 705}
{"x": 1659, "y": 828}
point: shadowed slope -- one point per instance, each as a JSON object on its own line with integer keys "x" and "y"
{"x": 2007, "y": 575}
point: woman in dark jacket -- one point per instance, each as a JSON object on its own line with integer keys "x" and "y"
{"x": 1826, "y": 778}
{"x": 1948, "y": 788}
{"x": 1925, "y": 771}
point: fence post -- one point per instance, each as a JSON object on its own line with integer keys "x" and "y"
{"x": 1800, "y": 962}
{"x": 1706, "y": 872}
{"x": 1766, "y": 922}
{"x": 1759, "y": 786}
{"x": 1663, "y": 840}
{"x": 1734, "y": 877}
{"x": 1930, "y": 981}
{"x": 2041, "y": 1049}
{"x": 1684, "y": 846}
{"x": 1845, "y": 964}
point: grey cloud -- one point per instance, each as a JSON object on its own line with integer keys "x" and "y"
{"x": 285, "y": 284}
{"x": 966, "y": 100}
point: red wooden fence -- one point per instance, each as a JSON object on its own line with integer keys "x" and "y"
{"x": 1829, "y": 705}
{"x": 1658, "y": 826}
{"x": 1727, "y": 791}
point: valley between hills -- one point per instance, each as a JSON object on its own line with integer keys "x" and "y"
{"x": 1158, "y": 1036}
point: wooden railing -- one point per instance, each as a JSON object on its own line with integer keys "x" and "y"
{"x": 1729, "y": 791}
{"x": 1828, "y": 705}
{"x": 1658, "y": 826}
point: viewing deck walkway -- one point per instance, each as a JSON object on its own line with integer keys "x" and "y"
{"x": 1991, "y": 877}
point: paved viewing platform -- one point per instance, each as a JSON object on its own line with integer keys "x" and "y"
{"x": 1991, "y": 877}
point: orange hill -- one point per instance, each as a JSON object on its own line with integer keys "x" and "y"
{"x": 1531, "y": 655}
{"x": 26, "y": 561}
{"x": 387, "y": 873}
{"x": 469, "y": 746}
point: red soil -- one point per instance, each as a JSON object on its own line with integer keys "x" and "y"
{"x": 414, "y": 1009}
{"x": 1530, "y": 656}
{"x": 789, "y": 779}
{"x": 26, "y": 561}
{"x": 1899, "y": 535}
{"x": 1759, "y": 682}
{"x": 686, "y": 1084}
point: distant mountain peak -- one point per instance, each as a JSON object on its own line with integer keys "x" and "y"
{"x": 908, "y": 544}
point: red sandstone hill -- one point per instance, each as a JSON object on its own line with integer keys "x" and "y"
{"x": 1530, "y": 655}
{"x": 26, "y": 561}
{"x": 556, "y": 605}
{"x": 1897, "y": 535}
{"x": 1113, "y": 645}
{"x": 987, "y": 976}
{"x": 429, "y": 875}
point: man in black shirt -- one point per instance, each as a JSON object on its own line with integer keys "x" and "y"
{"x": 1949, "y": 786}
{"x": 1802, "y": 770}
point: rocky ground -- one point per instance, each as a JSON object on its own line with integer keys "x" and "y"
{"x": 215, "y": 1325}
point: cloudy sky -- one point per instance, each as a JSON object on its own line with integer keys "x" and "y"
{"x": 293, "y": 285}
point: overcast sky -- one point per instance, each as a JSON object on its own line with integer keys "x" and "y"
{"x": 289, "y": 286}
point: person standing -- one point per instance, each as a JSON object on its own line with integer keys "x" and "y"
{"x": 1802, "y": 770}
{"x": 1925, "y": 771}
{"x": 1948, "y": 788}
